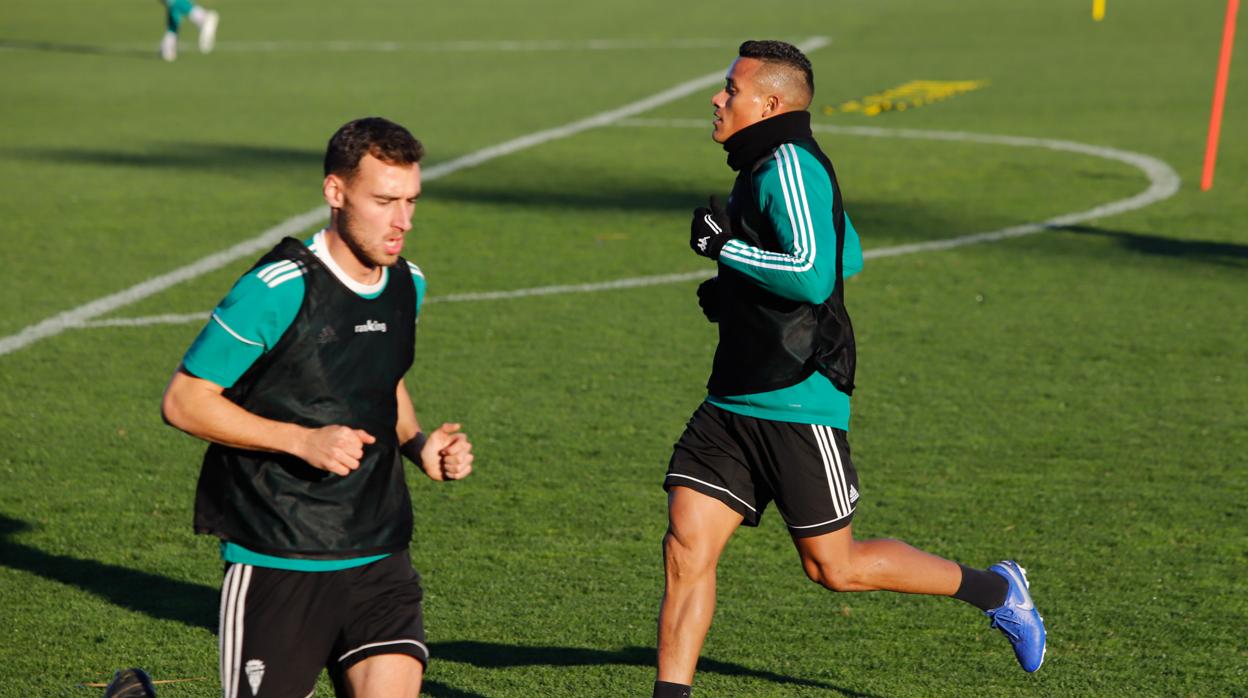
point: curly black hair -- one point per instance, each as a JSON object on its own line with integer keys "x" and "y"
{"x": 381, "y": 138}
{"x": 783, "y": 53}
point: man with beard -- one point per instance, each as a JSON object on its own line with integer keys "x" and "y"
{"x": 297, "y": 383}
{"x": 774, "y": 424}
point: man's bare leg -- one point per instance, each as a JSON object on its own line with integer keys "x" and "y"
{"x": 840, "y": 563}
{"x": 386, "y": 676}
{"x": 698, "y": 529}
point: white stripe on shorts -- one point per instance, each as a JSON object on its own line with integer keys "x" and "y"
{"x": 225, "y": 648}
{"x": 846, "y": 488}
{"x": 230, "y": 643}
{"x": 716, "y": 487}
{"x": 833, "y": 470}
{"x": 370, "y": 645}
{"x": 816, "y": 525}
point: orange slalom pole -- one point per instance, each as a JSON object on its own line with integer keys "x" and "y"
{"x": 1219, "y": 95}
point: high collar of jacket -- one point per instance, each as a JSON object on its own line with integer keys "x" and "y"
{"x": 746, "y": 146}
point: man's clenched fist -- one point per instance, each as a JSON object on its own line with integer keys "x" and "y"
{"x": 710, "y": 229}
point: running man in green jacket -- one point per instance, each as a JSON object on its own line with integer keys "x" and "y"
{"x": 774, "y": 425}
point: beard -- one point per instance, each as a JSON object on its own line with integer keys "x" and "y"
{"x": 369, "y": 257}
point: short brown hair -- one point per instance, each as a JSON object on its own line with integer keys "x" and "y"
{"x": 381, "y": 138}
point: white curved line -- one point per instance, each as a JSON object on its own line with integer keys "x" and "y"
{"x": 1163, "y": 183}
{"x": 1163, "y": 180}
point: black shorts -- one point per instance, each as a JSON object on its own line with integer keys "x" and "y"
{"x": 746, "y": 462}
{"x": 279, "y": 628}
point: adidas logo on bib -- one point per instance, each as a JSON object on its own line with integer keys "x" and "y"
{"x": 327, "y": 335}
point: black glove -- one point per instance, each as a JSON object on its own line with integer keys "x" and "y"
{"x": 710, "y": 229}
{"x": 708, "y": 298}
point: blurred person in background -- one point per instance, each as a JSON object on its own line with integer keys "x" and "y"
{"x": 178, "y": 10}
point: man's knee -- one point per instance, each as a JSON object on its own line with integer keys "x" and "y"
{"x": 685, "y": 559}
{"x": 834, "y": 576}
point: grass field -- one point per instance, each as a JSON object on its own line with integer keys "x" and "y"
{"x": 1073, "y": 398}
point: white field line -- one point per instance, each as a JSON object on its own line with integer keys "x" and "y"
{"x": 458, "y": 46}
{"x": 636, "y": 282}
{"x": 472, "y": 46}
{"x": 1163, "y": 183}
{"x": 293, "y": 225}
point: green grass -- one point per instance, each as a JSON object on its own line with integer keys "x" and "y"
{"x": 1074, "y": 399}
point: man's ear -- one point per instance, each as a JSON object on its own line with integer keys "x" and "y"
{"x": 771, "y": 105}
{"x": 334, "y": 189}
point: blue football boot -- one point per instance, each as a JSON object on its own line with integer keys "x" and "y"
{"x": 1018, "y": 618}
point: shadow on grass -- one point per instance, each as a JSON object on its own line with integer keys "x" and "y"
{"x": 491, "y": 656}
{"x": 182, "y": 157}
{"x": 1224, "y": 253}
{"x": 195, "y": 605}
{"x": 87, "y": 49}
{"x": 441, "y": 690}
{"x": 150, "y": 594}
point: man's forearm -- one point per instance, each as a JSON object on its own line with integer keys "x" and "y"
{"x": 408, "y": 426}
{"x": 196, "y": 407}
{"x": 812, "y": 284}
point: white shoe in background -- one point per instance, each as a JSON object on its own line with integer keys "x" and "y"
{"x": 208, "y": 31}
{"x": 169, "y": 46}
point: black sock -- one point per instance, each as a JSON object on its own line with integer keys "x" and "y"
{"x": 666, "y": 689}
{"x": 982, "y": 589}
